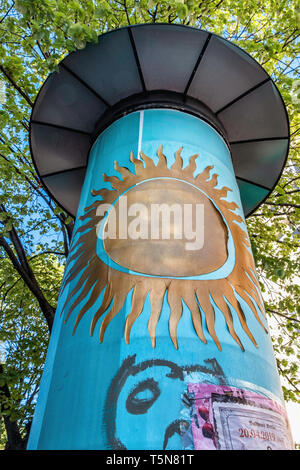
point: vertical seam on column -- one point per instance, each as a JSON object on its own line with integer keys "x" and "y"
{"x": 141, "y": 126}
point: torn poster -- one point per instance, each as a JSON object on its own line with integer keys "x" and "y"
{"x": 229, "y": 418}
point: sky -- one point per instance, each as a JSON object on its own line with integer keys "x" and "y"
{"x": 293, "y": 410}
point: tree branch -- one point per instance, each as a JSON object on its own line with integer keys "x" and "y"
{"x": 282, "y": 315}
{"x": 19, "y": 90}
{"x": 31, "y": 283}
{"x": 14, "y": 438}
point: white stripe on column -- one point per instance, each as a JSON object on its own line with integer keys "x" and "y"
{"x": 140, "y": 133}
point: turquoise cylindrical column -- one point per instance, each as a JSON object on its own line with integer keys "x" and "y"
{"x": 179, "y": 342}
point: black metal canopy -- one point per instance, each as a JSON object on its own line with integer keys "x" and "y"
{"x": 159, "y": 65}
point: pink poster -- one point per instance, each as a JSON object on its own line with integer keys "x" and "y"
{"x": 227, "y": 418}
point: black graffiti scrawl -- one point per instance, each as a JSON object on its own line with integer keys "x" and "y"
{"x": 139, "y": 389}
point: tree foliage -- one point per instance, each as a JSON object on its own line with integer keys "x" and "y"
{"x": 35, "y": 233}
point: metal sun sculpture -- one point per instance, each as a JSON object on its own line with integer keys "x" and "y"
{"x": 145, "y": 275}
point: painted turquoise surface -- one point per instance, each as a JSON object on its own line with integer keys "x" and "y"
{"x": 73, "y": 411}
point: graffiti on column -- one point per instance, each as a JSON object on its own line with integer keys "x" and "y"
{"x": 208, "y": 413}
{"x": 158, "y": 266}
{"x": 140, "y": 391}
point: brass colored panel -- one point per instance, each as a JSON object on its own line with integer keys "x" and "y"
{"x": 198, "y": 295}
{"x": 169, "y": 257}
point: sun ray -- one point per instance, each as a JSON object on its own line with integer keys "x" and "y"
{"x": 191, "y": 167}
{"x": 223, "y": 193}
{"x": 224, "y": 308}
{"x": 174, "y": 300}
{"x": 86, "y": 289}
{"x": 232, "y": 300}
{"x": 107, "y": 298}
{"x": 209, "y": 312}
{"x": 138, "y": 300}
{"x": 213, "y": 181}
{"x": 243, "y": 294}
{"x": 88, "y": 208}
{"x": 191, "y": 303}
{"x": 73, "y": 293}
{"x": 113, "y": 180}
{"x": 148, "y": 161}
{"x": 255, "y": 292}
{"x": 202, "y": 177}
{"x": 138, "y": 165}
{"x": 162, "y": 160}
{"x": 157, "y": 296}
{"x": 83, "y": 262}
{"x": 177, "y": 165}
{"x": 124, "y": 172}
{"x": 96, "y": 290}
{"x": 117, "y": 305}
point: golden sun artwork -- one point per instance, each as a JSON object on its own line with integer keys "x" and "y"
{"x": 162, "y": 267}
